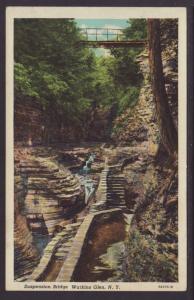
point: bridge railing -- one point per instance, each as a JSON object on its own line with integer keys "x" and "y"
{"x": 102, "y": 34}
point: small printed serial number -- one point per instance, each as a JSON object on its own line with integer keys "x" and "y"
{"x": 165, "y": 286}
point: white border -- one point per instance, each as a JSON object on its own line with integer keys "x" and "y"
{"x": 91, "y": 13}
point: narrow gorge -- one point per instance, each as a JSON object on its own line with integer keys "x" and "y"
{"x": 95, "y": 189}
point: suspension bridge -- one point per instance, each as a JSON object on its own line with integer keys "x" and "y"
{"x": 108, "y": 38}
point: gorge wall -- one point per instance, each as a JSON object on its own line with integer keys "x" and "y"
{"x": 45, "y": 195}
{"x": 35, "y": 125}
{"x": 26, "y": 254}
{"x": 152, "y": 179}
{"x": 45, "y": 192}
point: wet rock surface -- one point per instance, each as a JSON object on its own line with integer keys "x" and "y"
{"x": 45, "y": 195}
{"x": 51, "y": 193}
{"x": 25, "y": 252}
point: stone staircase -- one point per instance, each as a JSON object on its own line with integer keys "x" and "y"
{"x": 71, "y": 261}
{"x": 68, "y": 235}
{"x": 56, "y": 250}
{"x": 110, "y": 195}
{"x": 115, "y": 191}
{"x": 111, "y": 192}
{"x": 44, "y": 195}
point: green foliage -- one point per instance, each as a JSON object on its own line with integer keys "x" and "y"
{"x": 54, "y": 67}
{"x": 137, "y": 29}
{"x": 23, "y": 83}
{"x": 128, "y": 99}
{"x": 148, "y": 260}
{"x": 67, "y": 78}
{"x": 126, "y": 69}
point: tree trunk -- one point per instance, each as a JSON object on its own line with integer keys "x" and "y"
{"x": 166, "y": 125}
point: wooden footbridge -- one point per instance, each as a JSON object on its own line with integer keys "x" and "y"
{"x": 108, "y": 38}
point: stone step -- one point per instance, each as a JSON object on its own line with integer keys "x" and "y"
{"x": 63, "y": 250}
{"x": 118, "y": 202}
{"x": 115, "y": 203}
{"x": 114, "y": 200}
{"x": 63, "y": 244}
{"x": 111, "y": 183}
{"x": 114, "y": 195}
{"x": 115, "y": 181}
{"x": 61, "y": 255}
{"x": 115, "y": 190}
{"x": 113, "y": 177}
{"x": 99, "y": 203}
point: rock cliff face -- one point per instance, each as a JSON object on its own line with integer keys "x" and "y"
{"x": 51, "y": 192}
{"x": 28, "y": 121}
{"x": 43, "y": 205}
{"x": 138, "y": 124}
{"x": 152, "y": 247}
{"x": 36, "y": 126}
{"x": 152, "y": 182}
{"x": 25, "y": 253}
{"x": 45, "y": 195}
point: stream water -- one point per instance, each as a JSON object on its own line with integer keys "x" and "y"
{"x": 40, "y": 240}
{"x": 103, "y": 258}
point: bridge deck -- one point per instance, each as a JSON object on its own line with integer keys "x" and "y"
{"x": 108, "y": 38}
{"x": 114, "y": 44}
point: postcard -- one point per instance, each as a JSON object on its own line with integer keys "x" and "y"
{"x": 96, "y": 149}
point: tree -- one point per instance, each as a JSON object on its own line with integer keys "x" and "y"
{"x": 51, "y": 67}
{"x": 167, "y": 128}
